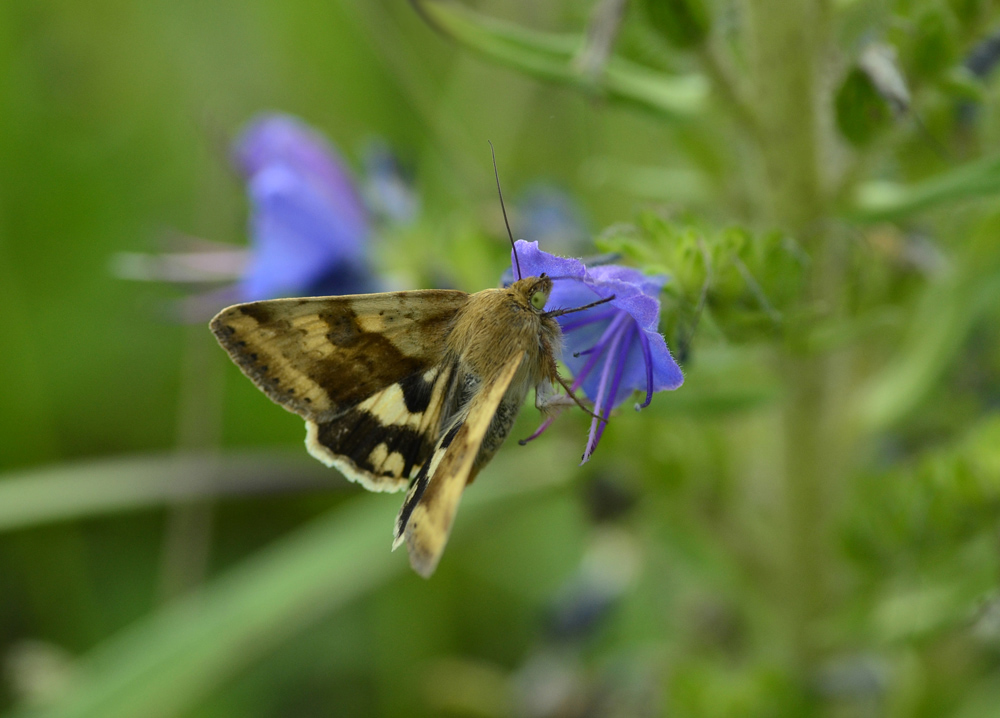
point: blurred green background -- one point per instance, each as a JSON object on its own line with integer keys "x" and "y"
{"x": 809, "y": 526}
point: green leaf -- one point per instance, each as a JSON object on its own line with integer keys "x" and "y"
{"x": 944, "y": 320}
{"x": 933, "y": 47}
{"x": 947, "y": 313}
{"x": 550, "y": 56}
{"x": 163, "y": 664}
{"x": 962, "y": 84}
{"x": 879, "y": 200}
{"x": 919, "y": 611}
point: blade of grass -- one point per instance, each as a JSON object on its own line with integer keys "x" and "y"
{"x": 942, "y": 324}
{"x": 877, "y": 200}
{"x": 947, "y": 314}
{"x": 70, "y": 491}
{"x": 166, "y": 662}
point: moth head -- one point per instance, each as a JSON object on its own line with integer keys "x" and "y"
{"x": 532, "y": 292}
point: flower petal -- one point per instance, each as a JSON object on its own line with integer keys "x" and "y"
{"x": 666, "y": 375}
{"x": 534, "y": 262}
{"x": 619, "y": 346}
{"x": 613, "y": 349}
{"x": 634, "y": 291}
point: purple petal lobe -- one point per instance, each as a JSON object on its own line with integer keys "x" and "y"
{"x": 534, "y": 263}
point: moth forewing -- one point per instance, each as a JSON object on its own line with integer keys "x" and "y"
{"x": 428, "y": 512}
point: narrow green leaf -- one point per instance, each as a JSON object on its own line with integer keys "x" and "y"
{"x": 549, "y": 56}
{"x": 912, "y": 612}
{"x": 166, "y": 662}
{"x": 946, "y": 316}
{"x": 943, "y": 320}
{"x": 70, "y": 491}
{"x": 877, "y": 200}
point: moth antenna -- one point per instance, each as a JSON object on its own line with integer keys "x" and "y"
{"x": 517, "y": 262}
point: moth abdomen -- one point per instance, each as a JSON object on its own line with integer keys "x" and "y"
{"x": 500, "y": 426}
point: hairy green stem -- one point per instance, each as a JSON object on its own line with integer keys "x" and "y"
{"x": 718, "y": 70}
{"x": 786, "y": 40}
{"x": 783, "y": 44}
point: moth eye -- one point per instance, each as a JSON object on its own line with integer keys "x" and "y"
{"x": 538, "y": 300}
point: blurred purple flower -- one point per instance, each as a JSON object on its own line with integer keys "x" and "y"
{"x": 613, "y": 349}
{"x": 309, "y": 229}
{"x": 308, "y": 225}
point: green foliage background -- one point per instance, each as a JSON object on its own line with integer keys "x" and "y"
{"x": 812, "y": 519}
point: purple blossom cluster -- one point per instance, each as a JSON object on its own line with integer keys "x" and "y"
{"x": 613, "y": 349}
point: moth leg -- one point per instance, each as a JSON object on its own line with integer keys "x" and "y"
{"x": 561, "y": 401}
{"x": 550, "y": 402}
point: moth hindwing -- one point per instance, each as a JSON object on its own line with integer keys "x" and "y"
{"x": 401, "y": 389}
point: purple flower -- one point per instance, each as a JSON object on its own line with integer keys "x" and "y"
{"x": 309, "y": 228}
{"x": 308, "y": 224}
{"x": 612, "y": 349}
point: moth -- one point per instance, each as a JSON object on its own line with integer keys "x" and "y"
{"x": 407, "y": 390}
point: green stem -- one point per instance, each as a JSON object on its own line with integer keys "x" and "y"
{"x": 720, "y": 73}
{"x": 783, "y": 46}
{"x": 786, "y": 41}
{"x": 188, "y": 533}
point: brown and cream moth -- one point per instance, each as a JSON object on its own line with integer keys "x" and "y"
{"x": 406, "y": 389}
{"x": 402, "y": 389}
